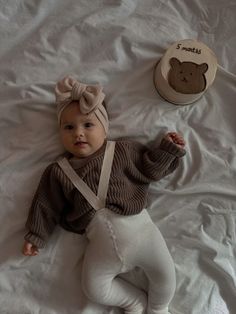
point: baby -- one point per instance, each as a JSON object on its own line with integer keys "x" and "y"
{"x": 100, "y": 189}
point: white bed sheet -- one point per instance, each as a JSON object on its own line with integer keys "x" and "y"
{"x": 117, "y": 44}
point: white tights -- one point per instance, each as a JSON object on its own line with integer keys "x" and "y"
{"x": 116, "y": 245}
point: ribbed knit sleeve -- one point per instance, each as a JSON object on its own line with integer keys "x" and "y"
{"x": 160, "y": 161}
{"x": 46, "y": 208}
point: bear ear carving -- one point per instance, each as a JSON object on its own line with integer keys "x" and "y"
{"x": 174, "y": 62}
{"x": 203, "y": 67}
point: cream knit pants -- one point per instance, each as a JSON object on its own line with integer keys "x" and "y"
{"x": 117, "y": 244}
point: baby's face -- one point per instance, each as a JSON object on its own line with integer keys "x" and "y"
{"x": 82, "y": 135}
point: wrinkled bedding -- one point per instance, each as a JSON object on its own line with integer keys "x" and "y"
{"x": 117, "y": 44}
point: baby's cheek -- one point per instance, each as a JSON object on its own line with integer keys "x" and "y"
{"x": 66, "y": 141}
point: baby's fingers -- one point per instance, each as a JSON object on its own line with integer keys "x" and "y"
{"x": 30, "y": 249}
{"x": 180, "y": 140}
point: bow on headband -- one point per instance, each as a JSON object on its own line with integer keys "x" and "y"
{"x": 90, "y": 98}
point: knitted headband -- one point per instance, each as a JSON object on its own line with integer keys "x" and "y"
{"x": 89, "y": 97}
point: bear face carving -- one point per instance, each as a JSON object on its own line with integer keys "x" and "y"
{"x": 187, "y": 77}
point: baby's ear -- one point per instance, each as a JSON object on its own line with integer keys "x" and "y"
{"x": 203, "y": 67}
{"x": 174, "y": 62}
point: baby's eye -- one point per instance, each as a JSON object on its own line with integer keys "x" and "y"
{"x": 88, "y": 125}
{"x": 68, "y": 127}
{"x": 191, "y": 73}
{"x": 181, "y": 72}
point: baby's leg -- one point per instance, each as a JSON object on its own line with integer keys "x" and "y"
{"x": 153, "y": 256}
{"x": 101, "y": 285}
{"x": 103, "y": 261}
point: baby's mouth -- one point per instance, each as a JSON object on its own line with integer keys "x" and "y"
{"x": 80, "y": 143}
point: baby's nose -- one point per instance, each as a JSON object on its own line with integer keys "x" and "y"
{"x": 79, "y": 132}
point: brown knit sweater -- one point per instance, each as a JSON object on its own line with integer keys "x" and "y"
{"x": 57, "y": 201}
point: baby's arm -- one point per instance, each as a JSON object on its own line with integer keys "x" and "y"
{"x": 159, "y": 161}
{"x": 45, "y": 212}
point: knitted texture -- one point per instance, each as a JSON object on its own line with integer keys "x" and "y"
{"x": 57, "y": 201}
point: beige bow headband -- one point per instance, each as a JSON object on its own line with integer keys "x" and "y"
{"x": 90, "y": 98}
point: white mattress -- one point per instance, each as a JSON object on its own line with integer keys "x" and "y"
{"x": 117, "y": 44}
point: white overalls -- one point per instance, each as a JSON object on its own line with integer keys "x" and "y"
{"x": 118, "y": 244}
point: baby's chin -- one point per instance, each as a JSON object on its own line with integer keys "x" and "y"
{"x": 86, "y": 151}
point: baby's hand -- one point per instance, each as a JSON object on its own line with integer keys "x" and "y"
{"x": 175, "y": 138}
{"x": 29, "y": 249}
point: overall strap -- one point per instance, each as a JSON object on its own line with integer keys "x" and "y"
{"x": 96, "y": 201}
{"x": 106, "y": 171}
